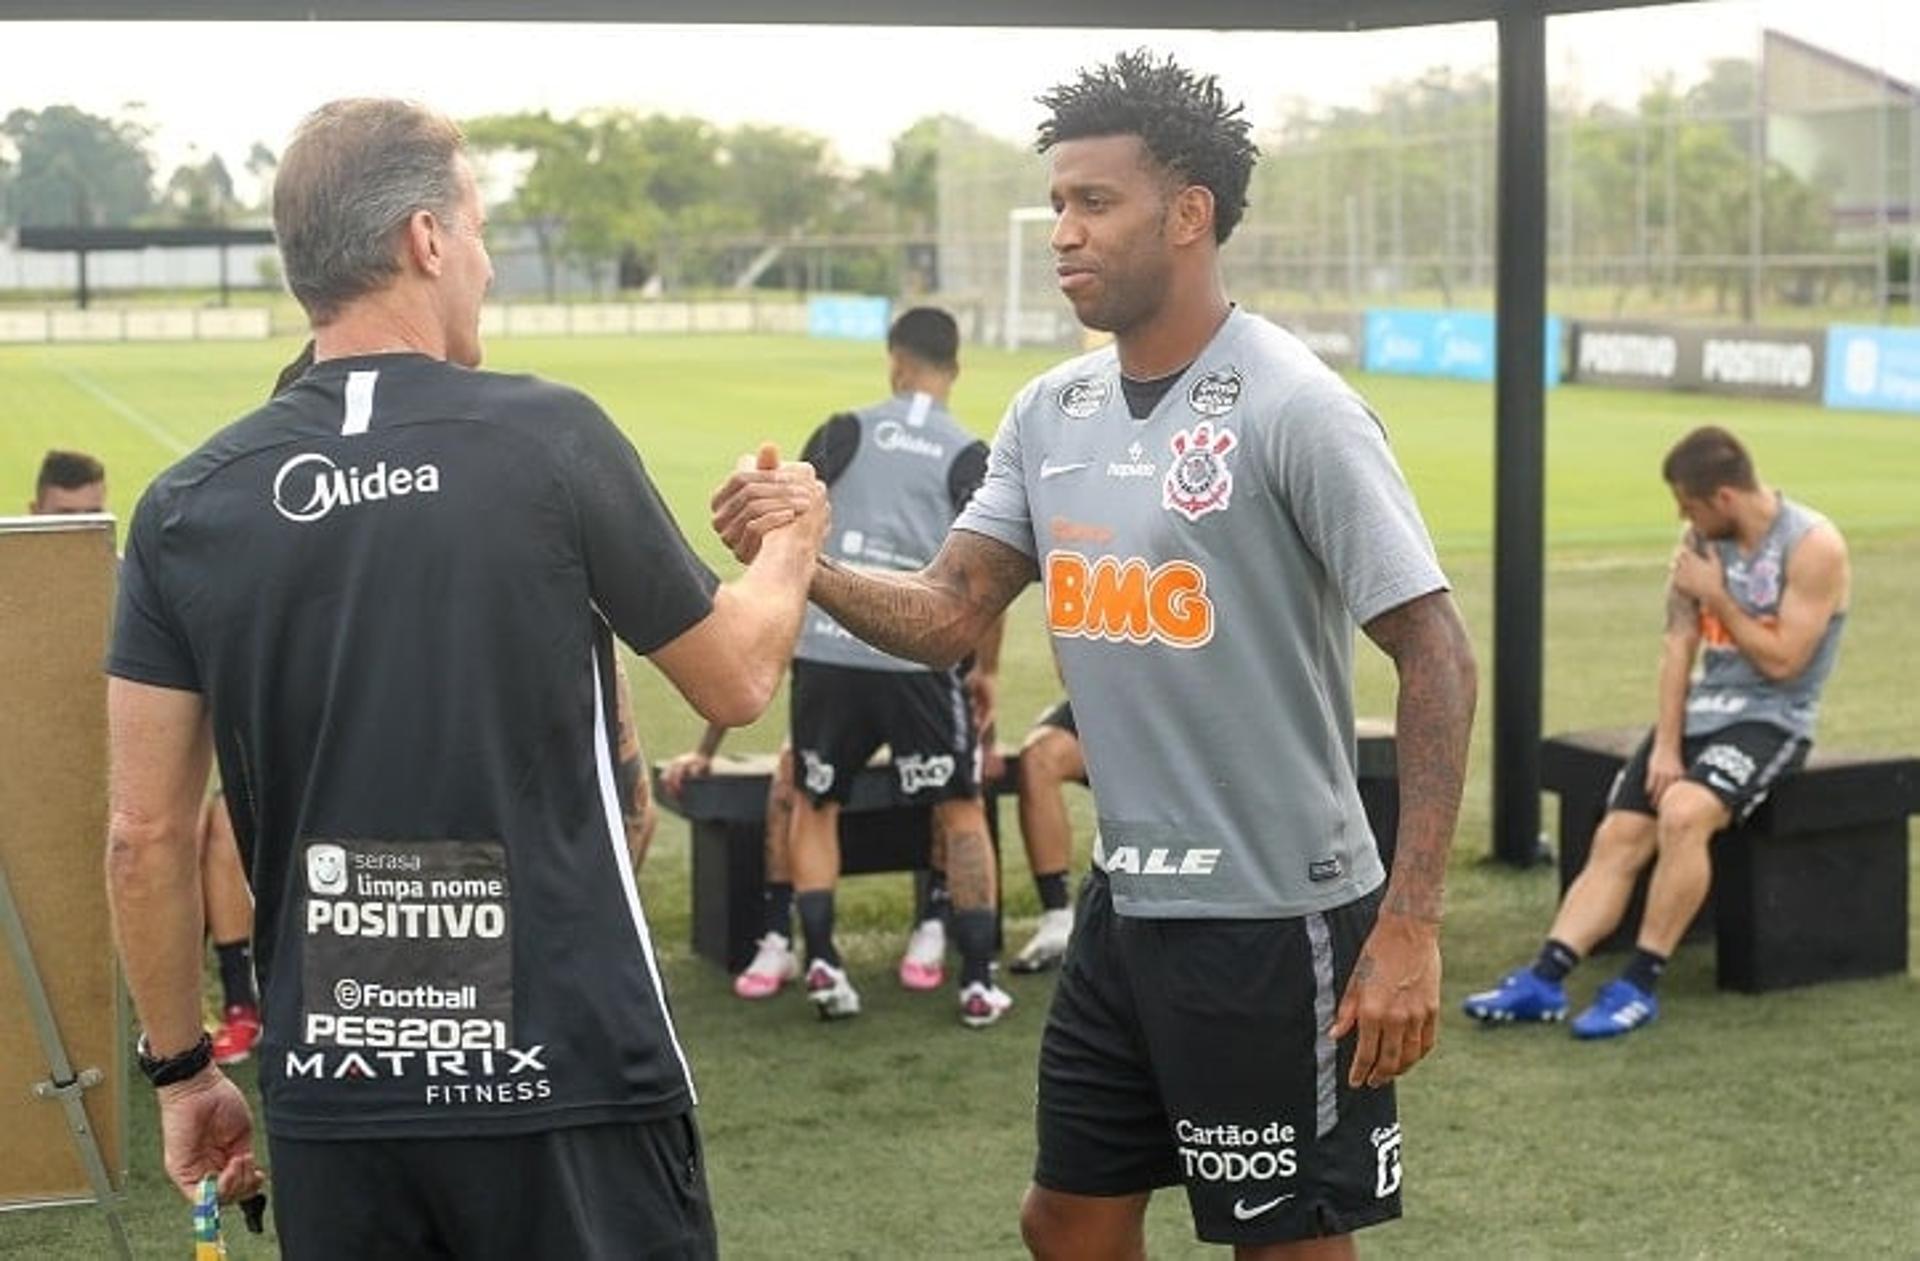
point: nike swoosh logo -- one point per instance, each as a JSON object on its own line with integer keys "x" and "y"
{"x": 1243, "y": 1213}
{"x": 1055, "y": 470}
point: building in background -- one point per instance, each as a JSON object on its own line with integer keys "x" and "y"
{"x": 1846, "y": 127}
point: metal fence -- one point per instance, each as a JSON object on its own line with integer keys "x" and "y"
{"x": 1778, "y": 189}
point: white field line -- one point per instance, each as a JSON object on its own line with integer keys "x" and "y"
{"x": 1606, "y": 563}
{"x": 126, "y": 411}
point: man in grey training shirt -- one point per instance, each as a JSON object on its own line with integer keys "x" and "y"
{"x": 1759, "y": 592}
{"x": 1211, "y": 511}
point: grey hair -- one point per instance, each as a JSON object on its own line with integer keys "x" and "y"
{"x": 355, "y": 171}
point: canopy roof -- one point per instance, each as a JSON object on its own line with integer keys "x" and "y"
{"x": 1301, "y": 15}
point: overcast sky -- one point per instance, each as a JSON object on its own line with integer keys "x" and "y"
{"x": 221, "y": 86}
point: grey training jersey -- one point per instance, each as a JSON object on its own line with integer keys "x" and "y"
{"x": 1728, "y": 689}
{"x": 892, "y": 505}
{"x": 1204, "y": 569}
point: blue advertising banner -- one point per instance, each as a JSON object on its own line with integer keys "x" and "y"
{"x": 1876, "y": 369}
{"x": 856, "y": 319}
{"x": 1443, "y": 344}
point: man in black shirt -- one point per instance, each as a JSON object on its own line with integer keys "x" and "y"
{"x": 387, "y": 600}
{"x": 636, "y": 795}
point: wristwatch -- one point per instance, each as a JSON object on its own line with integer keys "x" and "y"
{"x": 175, "y": 1067}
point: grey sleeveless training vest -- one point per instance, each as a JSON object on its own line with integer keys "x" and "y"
{"x": 1728, "y": 689}
{"x": 891, "y": 508}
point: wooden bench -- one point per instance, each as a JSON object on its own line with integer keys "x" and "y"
{"x": 880, "y": 832}
{"x": 1813, "y": 887}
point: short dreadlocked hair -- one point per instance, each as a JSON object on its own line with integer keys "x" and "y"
{"x": 1182, "y": 118}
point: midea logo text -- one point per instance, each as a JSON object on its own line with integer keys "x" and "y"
{"x": 309, "y": 486}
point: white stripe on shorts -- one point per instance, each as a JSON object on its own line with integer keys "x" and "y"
{"x": 1770, "y": 772}
{"x": 1327, "y": 1109}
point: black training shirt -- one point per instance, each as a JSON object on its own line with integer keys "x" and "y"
{"x": 393, "y": 584}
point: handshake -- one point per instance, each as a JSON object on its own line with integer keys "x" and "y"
{"x": 765, "y": 497}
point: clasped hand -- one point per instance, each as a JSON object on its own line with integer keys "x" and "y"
{"x": 764, "y": 495}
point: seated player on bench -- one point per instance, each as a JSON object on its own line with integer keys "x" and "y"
{"x": 1758, "y": 590}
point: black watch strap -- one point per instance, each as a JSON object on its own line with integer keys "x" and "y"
{"x": 175, "y": 1067}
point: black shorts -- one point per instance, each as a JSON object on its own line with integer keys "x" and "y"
{"x": 842, "y": 715}
{"x": 626, "y": 1189}
{"x": 1194, "y": 1052}
{"x": 1058, "y": 715}
{"x": 1738, "y": 764}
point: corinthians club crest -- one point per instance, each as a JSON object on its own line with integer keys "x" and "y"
{"x": 1199, "y": 482}
{"x": 1763, "y": 580}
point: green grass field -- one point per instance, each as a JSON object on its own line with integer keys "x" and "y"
{"x": 1737, "y": 1127}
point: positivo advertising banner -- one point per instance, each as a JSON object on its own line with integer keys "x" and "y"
{"x": 1762, "y": 362}
{"x": 1877, "y": 369}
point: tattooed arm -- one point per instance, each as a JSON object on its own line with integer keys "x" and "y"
{"x": 1393, "y": 997}
{"x": 1678, "y": 647}
{"x": 1434, "y": 661}
{"x": 935, "y": 615}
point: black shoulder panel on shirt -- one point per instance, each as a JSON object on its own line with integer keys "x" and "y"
{"x": 833, "y": 445}
{"x": 964, "y": 476}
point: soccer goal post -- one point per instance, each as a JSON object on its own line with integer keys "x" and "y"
{"x": 1018, "y": 220}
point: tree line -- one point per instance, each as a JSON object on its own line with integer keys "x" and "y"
{"x": 627, "y": 197}
{"x": 64, "y": 167}
{"x": 1658, "y": 194}
{"x": 619, "y": 195}
{"x": 1673, "y": 191}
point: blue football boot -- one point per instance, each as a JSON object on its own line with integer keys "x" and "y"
{"x": 1620, "y": 1007}
{"x": 1521, "y": 996}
